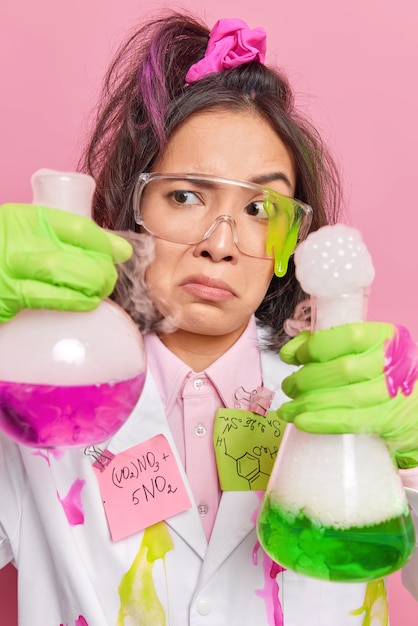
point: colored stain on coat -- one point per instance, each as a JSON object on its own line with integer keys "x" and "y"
{"x": 375, "y": 605}
{"x": 401, "y": 362}
{"x": 139, "y": 602}
{"x": 72, "y": 503}
{"x": 55, "y": 452}
{"x": 42, "y": 455}
{"x": 270, "y": 591}
{"x": 78, "y": 622}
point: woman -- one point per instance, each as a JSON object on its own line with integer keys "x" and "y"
{"x": 197, "y": 146}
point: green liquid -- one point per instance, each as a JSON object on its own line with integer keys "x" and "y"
{"x": 355, "y": 554}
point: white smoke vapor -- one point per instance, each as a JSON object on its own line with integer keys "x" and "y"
{"x": 131, "y": 292}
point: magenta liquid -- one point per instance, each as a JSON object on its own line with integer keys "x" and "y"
{"x": 47, "y": 416}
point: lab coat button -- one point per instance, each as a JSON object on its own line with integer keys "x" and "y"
{"x": 203, "y": 509}
{"x": 200, "y": 430}
{"x": 203, "y": 607}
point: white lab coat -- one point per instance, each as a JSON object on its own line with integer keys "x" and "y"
{"x": 70, "y": 574}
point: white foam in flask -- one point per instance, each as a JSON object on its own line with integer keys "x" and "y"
{"x": 335, "y": 507}
{"x": 68, "y": 378}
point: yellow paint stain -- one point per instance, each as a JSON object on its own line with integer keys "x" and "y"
{"x": 375, "y": 605}
{"x": 139, "y": 602}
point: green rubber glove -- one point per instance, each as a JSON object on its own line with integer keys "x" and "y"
{"x": 53, "y": 259}
{"x": 356, "y": 378}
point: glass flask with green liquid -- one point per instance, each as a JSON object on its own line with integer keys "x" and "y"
{"x": 335, "y": 507}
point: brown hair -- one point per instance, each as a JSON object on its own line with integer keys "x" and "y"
{"x": 144, "y": 99}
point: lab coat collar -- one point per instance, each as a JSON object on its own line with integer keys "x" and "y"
{"x": 236, "y": 516}
{"x": 148, "y": 420}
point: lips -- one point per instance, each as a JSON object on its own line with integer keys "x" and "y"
{"x": 207, "y": 288}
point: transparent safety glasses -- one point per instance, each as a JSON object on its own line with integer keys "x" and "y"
{"x": 187, "y": 208}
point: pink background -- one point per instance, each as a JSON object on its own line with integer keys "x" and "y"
{"x": 354, "y": 66}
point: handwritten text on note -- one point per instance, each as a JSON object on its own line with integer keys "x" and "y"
{"x": 141, "y": 486}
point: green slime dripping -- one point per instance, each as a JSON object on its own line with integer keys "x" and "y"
{"x": 278, "y": 244}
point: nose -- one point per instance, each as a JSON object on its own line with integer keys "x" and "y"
{"x": 220, "y": 242}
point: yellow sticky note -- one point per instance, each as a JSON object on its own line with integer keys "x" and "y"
{"x": 246, "y": 446}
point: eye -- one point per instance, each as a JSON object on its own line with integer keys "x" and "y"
{"x": 184, "y": 197}
{"x": 257, "y": 209}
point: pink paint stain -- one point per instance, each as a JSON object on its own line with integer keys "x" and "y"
{"x": 58, "y": 454}
{"x": 401, "y": 362}
{"x": 78, "y": 622}
{"x": 270, "y": 591}
{"x": 73, "y": 507}
{"x": 260, "y": 496}
{"x": 42, "y": 455}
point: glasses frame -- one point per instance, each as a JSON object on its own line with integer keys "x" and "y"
{"x": 146, "y": 177}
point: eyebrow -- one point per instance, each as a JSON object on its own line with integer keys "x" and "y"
{"x": 268, "y": 178}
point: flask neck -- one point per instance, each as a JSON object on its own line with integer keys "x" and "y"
{"x": 69, "y": 191}
{"x": 345, "y": 308}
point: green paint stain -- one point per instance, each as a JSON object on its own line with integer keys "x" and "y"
{"x": 139, "y": 602}
{"x": 375, "y": 605}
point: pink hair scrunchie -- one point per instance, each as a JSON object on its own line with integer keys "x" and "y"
{"x": 231, "y": 44}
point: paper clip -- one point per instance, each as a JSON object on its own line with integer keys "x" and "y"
{"x": 259, "y": 400}
{"x": 102, "y": 457}
{"x": 242, "y": 395}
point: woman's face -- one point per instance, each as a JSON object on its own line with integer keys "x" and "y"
{"x": 211, "y": 288}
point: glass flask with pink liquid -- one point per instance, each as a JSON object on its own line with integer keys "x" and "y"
{"x": 68, "y": 378}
